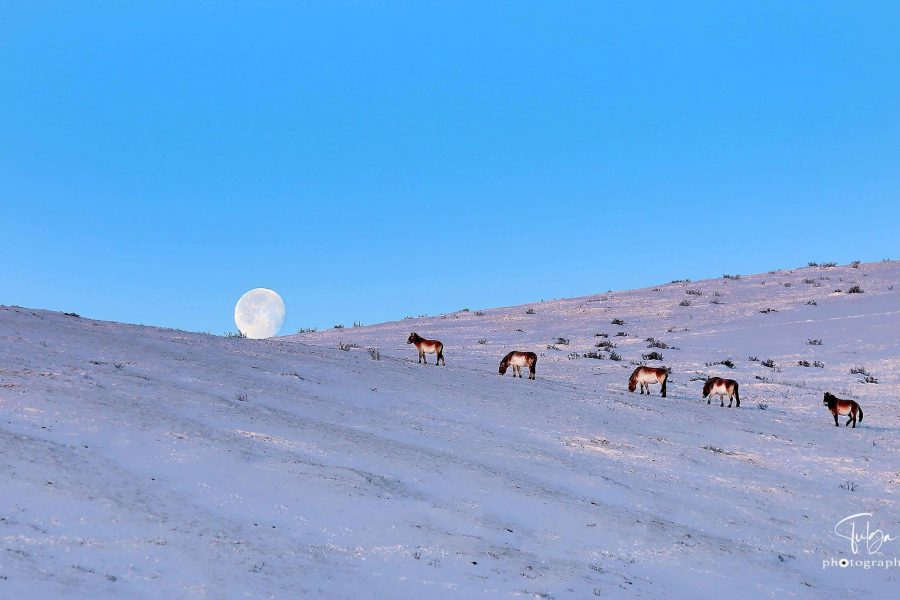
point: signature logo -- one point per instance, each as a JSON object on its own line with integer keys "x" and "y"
{"x": 857, "y": 529}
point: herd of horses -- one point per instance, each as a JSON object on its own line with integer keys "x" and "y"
{"x": 641, "y": 376}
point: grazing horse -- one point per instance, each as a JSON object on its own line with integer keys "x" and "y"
{"x": 517, "y": 360}
{"x": 843, "y": 408}
{"x": 647, "y": 375}
{"x": 722, "y": 387}
{"x": 427, "y": 346}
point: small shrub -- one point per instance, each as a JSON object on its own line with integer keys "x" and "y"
{"x": 341, "y": 326}
{"x": 803, "y": 363}
{"x": 574, "y": 356}
{"x": 753, "y": 358}
{"x": 812, "y": 264}
{"x": 482, "y": 342}
{"x": 600, "y": 334}
{"x": 684, "y": 302}
{"x": 374, "y": 353}
{"x": 562, "y": 341}
{"x": 480, "y": 313}
{"x": 787, "y": 284}
{"x": 552, "y": 347}
{"x": 762, "y": 406}
{"x": 652, "y": 356}
{"x": 614, "y": 356}
{"x": 240, "y": 397}
{"x": 119, "y": 365}
{"x": 357, "y": 323}
{"x": 766, "y": 311}
{"x": 768, "y": 363}
{"x": 812, "y": 303}
{"x": 855, "y": 264}
{"x": 818, "y": 364}
{"x": 604, "y": 344}
{"x": 735, "y": 276}
{"x": 693, "y": 292}
{"x": 655, "y": 343}
{"x": 530, "y": 311}
{"x": 849, "y": 486}
{"x": 617, "y": 322}
{"x": 74, "y": 315}
{"x": 307, "y": 330}
{"x": 239, "y": 335}
{"x": 347, "y": 347}
{"x": 828, "y": 265}
{"x": 681, "y": 281}
{"x": 870, "y": 379}
{"x": 716, "y": 301}
{"x": 593, "y": 354}
{"x": 858, "y": 371}
{"x": 727, "y": 363}
{"x": 809, "y": 281}
{"x": 621, "y": 334}
{"x": 813, "y": 342}
{"x": 855, "y": 290}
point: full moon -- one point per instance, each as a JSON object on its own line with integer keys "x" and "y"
{"x": 259, "y": 313}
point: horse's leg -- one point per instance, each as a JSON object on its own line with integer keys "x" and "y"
{"x": 836, "y": 424}
{"x": 709, "y": 399}
{"x": 721, "y": 400}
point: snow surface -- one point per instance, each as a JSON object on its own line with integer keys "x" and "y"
{"x": 152, "y": 463}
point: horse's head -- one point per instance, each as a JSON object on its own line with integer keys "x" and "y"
{"x": 708, "y": 386}
{"x": 412, "y": 338}
{"x": 829, "y": 398}
{"x": 632, "y": 382}
{"x": 504, "y": 364}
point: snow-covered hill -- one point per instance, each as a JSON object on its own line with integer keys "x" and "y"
{"x": 152, "y": 463}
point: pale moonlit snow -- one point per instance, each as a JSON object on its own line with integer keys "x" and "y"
{"x": 259, "y": 313}
{"x": 138, "y": 462}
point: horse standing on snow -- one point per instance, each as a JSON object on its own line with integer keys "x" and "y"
{"x": 646, "y": 376}
{"x": 427, "y": 346}
{"x": 716, "y": 386}
{"x": 843, "y": 408}
{"x": 517, "y": 360}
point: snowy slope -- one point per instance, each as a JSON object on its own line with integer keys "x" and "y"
{"x": 151, "y": 463}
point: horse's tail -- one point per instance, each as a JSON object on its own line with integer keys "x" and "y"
{"x": 859, "y": 408}
{"x": 737, "y": 396}
{"x": 665, "y": 379}
{"x": 440, "y": 352}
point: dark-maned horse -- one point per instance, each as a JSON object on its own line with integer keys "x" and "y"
{"x": 427, "y": 346}
{"x": 716, "y": 386}
{"x": 843, "y": 408}
{"x": 647, "y": 375}
{"x": 517, "y": 360}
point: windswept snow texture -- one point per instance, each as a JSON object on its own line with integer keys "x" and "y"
{"x": 150, "y": 463}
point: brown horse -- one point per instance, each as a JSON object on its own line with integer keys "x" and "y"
{"x": 716, "y": 386}
{"x": 429, "y": 346}
{"x": 843, "y": 408}
{"x": 647, "y": 375}
{"x": 517, "y": 360}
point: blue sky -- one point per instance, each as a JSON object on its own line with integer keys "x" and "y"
{"x": 374, "y": 160}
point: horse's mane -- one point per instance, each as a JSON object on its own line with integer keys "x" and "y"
{"x": 634, "y": 375}
{"x": 507, "y": 358}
